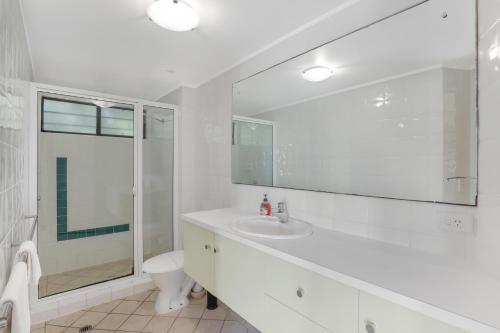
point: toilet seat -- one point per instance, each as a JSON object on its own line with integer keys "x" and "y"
{"x": 166, "y": 262}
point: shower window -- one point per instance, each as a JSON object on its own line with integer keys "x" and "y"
{"x": 68, "y": 116}
{"x": 116, "y": 121}
{"x": 75, "y": 116}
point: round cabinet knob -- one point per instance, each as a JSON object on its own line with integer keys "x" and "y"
{"x": 300, "y": 292}
{"x": 370, "y": 326}
{"x": 207, "y": 247}
{"x": 215, "y": 250}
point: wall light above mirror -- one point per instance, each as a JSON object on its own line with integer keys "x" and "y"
{"x": 391, "y": 111}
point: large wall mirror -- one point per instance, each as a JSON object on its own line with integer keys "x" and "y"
{"x": 389, "y": 110}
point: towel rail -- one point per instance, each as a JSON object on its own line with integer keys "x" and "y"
{"x": 6, "y": 308}
{"x": 33, "y": 228}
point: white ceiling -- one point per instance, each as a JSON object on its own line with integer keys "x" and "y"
{"x": 110, "y": 46}
{"x": 415, "y": 40}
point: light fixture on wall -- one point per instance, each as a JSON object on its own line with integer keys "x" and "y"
{"x": 175, "y": 15}
{"x": 317, "y": 73}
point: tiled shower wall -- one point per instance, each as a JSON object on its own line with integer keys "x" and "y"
{"x": 15, "y": 74}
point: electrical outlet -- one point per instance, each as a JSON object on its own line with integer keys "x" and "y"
{"x": 457, "y": 222}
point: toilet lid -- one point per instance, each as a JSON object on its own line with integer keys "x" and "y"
{"x": 166, "y": 262}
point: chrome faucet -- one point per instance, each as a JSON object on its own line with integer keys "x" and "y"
{"x": 281, "y": 212}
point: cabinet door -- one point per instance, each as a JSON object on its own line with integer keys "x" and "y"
{"x": 239, "y": 278}
{"x": 279, "y": 318}
{"x": 386, "y": 317}
{"x": 199, "y": 255}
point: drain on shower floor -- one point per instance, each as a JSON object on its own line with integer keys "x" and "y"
{"x": 86, "y": 328}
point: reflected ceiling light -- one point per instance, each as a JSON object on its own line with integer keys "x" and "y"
{"x": 317, "y": 73}
{"x": 494, "y": 52}
{"x": 383, "y": 99}
{"x": 175, "y": 15}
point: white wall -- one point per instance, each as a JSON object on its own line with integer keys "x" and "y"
{"x": 100, "y": 180}
{"x": 410, "y": 224}
{"x": 186, "y": 99}
{"x": 15, "y": 73}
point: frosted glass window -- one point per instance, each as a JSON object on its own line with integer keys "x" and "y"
{"x": 80, "y": 117}
{"x": 115, "y": 121}
{"x": 69, "y": 117}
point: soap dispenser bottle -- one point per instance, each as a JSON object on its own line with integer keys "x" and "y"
{"x": 265, "y": 207}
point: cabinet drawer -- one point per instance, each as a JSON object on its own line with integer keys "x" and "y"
{"x": 388, "y": 317}
{"x": 323, "y": 300}
{"x": 281, "y": 319}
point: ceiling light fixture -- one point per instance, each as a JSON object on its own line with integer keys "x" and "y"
{"x": 317, "y": 73}
{"x": 174, "y": 15}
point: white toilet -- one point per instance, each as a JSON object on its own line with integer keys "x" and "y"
{"x": 167, "y": 272}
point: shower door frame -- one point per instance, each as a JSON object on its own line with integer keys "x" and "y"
{"x": 32, "y": 160}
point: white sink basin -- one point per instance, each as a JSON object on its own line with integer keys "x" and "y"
{"x": 271, "y": 227}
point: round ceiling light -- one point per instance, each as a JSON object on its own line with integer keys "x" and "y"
{"x": 317, "y": 73}
{"x": 174, "y": 15}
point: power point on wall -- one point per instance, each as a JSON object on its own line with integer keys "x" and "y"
{"x": 457, "y": 222}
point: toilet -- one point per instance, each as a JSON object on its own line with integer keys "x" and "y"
{"x": 167, "y": 272}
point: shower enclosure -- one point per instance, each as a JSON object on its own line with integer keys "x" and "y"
{"x": 106, "y": 186}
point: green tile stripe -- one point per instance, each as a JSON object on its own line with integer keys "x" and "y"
{"x": 62, "y": 209}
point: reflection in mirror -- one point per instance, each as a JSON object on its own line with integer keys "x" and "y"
{"x": 252, "y": 151}
{"x": 387, "y": 111}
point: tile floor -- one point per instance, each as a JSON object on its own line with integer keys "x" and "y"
{"x": 136, "y": 314}
{"x": 61, "y": 282}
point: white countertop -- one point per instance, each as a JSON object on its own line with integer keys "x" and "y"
{"x": 451, "y": 292}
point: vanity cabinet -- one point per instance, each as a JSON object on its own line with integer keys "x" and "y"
{"x": 280, "y": 297}
{"x": 227, "y": 269}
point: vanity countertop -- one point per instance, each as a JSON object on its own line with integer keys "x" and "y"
{"x": 452, "y": 292}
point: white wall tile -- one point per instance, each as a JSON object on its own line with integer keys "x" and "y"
{"x": 15, "y": 73}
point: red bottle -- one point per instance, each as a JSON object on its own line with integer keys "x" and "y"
{"x": 265, "y": 207}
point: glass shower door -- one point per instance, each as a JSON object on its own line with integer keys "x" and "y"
{"x": 158, "y": 181}
{"x": 85, "y": 191}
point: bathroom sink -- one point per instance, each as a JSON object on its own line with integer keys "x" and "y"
{"x": 271, "y": 227}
